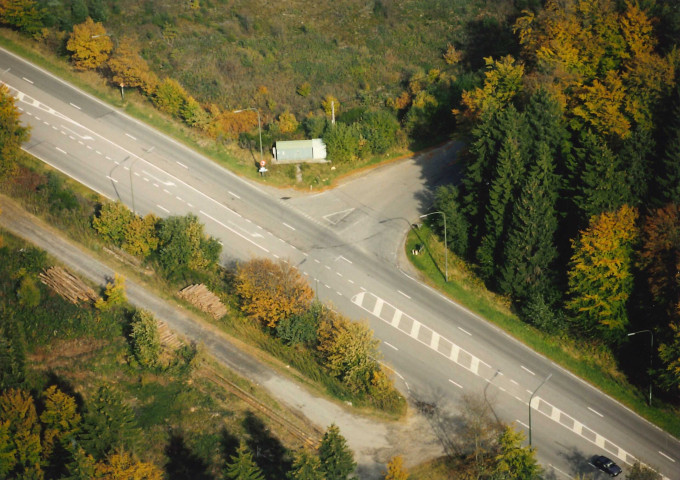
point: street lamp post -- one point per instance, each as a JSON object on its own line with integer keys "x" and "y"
{"x": 651, "y": 358}
{"x": 259, "y": 126}
{"x": 446, "y": 245}
{"x": 530, "y": 399}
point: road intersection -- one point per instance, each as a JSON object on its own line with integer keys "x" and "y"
{"x": 347, "y": 242}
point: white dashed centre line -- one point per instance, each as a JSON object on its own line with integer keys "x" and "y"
{"x": 112, "y": 179}
{"x": 338, "y": 274}
{"x": 663, "y": 454}
{"x": 182, "y": 165}
{"x": 75, "y": 106}
{"x": 62, "y": 151}
{"x": 285, "y": 224}
{"x": 390, "y": 345}
{"x": 275, "y": 255}
{"x": 456, "y": 384}
{"x": 327, "y": 267}
{"x": 29, "y": 81}
{"x": 526, "y": 369}
{"x": 351, "y": 281}
{"x": 404, "y": 294}
{"x": 233, "y": 194}
{"x": 464, "y": 331}
{"x": 596, "y": 412}
{"x": 514, "y": 382}
{"x": 128, "y": 135}
{"x": 163, "y": 208}
{"x": 316, "y": 261}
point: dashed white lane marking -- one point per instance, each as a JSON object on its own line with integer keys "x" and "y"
{"x": 522, "y": 423}
{"x": 664, "y": 455}
{"x": 146, "y": 179}
{"x": 46, "y": 123}
{"x": 54, "y": 127}
{"x": 181, "y": 164}
{"x": 179, "y": 198}
{"x": 128, "y": 135}
{"x": 29, "y": 81}
{"x": 558, "y": 470}
{"x": 276, "y": 256}
{"x": 137, "y": 174}
{"x": 521, "y": 400}
{"x": 527, "y": 370}
{"x": 404, "y": 294}
{"x": 338, "y": 274}
{"x": 74, "y": 105}
{"x": 156, "y": 185}
{"x": 233, "y": 194}
{"x": 390, "y": 345}
{"x": 37, "y": 118}
{"x": 81, "y": 142}
{"x": 166, "y": 191}
{"x": 189, "y": 204}
{"x": 88, "y": 147}
{"x": 513, "y": 382}
{"x": 345, "y": 259}
{"x": 112, "y": 179}
{"x": 286, "y": 225}
{"x": 338, "y": 293}
{"x": 327, "y": 286}
{"x": 464, "y": 331}
{"x": 62, "y": 151}
{"x": 350, "y": 281}
{"x": 596, "y": 412}
{"x": 97, "y": 152}
{"x": 125, "y": 167}
{"x": 456, "y": 384}
{"x": 163, "y": 208}
{"x": 316, "y": 261}
{"x": 107, "y": 157}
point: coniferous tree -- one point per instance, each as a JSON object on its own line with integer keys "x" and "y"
{"x": 305, "y": 467}
{"x": 547, "y": 125}
{"x": 634, "y": 157}
{"x": 242, "y": 466}
{"x": 503, "y": 190}
{"x": 12, "y": 353}
{"x": 598, "y": 183}
{"x": 110, "y": 423}
{"x": 457, "y": 227}
{"x": 337, "y": 460}
{"x": 668, "y": 172}
{"x": 530, "y": 250}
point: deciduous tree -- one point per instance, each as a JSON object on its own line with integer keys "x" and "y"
{"x": 503, "y": 80}
{"x": 122, "y": 466}
{"x": 515, "y": 460}
{"x": 600, "y": 276}
{"x": 337, "y": 460}
{"x": 12, "y": 133}
{"x": 89, "y": 45}
{"x": 139, "y": 236}
{"x": 184, "y": 246}
{"x": 146, "y": 342}
{"x": 396, "y": 469}
{"x": 112, "y": 221}
{"x": 130, "y": 69}
{"x": 349, "y": 351}
{"x": 272, "y": 291}
{"x": 170, "y": 96}
{"x": 114, "y": 295}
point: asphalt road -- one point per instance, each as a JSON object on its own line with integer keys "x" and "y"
{"x": 347, "y": 241}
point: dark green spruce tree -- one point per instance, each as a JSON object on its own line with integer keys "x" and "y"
{"x": 635, "y": 157}
{"x": 547, "y": 125}
{"x": 337, "y": 460}
{"x": 502, "y": 196}
{"x": 530, "y": 251}
{"x": 668, "y": 170}
{"x": 447, "y": 201}
{"x": 242, "y": 466}
{"x": 488, "y": 139}
{"x": 597, "y": 181}
{"x": 305, "y": 467}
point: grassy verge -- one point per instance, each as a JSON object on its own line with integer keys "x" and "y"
{"x": 586, "y": 361}
{"x": 229, "y": 155}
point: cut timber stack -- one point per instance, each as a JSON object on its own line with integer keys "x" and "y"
{"x": 168, "y": 338}
{"x": 67, "y": 285}
{"x": 203, "y": 299}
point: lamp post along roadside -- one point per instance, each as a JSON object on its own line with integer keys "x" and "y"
{"x": 651, "y": 358}
{"x": 259, "y": 126}
{"x": 446, "y": 244}
{"x": 530, "y": 399}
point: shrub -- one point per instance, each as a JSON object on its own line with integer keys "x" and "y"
{"x": 146, "y": 343}
{"x": 342, "y": 142}
{"x": 170, "y": 97}
{"x": 112, "y": 220}
{"x": 380, "y": 129}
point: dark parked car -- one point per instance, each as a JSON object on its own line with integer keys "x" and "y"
{"x": 607, "y": 466}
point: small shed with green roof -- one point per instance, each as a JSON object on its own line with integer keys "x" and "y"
{"x": 300, "y": 151}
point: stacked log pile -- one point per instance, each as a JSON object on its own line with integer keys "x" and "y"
{"x": 203, "y": 299}
{"x": 68, "y": 285}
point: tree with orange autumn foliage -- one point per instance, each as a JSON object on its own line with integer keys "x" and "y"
{"x": 271, "y": 291}
{"x": 89, "y": 45}
{"x": 130, "y": 69}
{"x": 12, "y": 133}
{"x": 122, "y": 466}
{"x": 600, "y": 276}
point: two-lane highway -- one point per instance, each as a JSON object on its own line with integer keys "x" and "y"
{"x": 439, "y": 349}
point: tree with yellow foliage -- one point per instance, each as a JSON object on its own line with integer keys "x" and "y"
{"x": 271, "y": 291}
{"x": 12, "y": 133}
{"x": 89, "y": 45}
{"x": 60, "y": 420}
{"x": 19, "y": 420}
{"x": 503, "y": 80}
{"x": 600, "y": 276}
{"x": 115, "y": 294}
{"x": 122, "y": 466}
{"x": 130, "y": 69}
{"x": 396, "y": 469}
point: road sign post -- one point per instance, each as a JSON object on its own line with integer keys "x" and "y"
{"x": 263, "y": 167}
